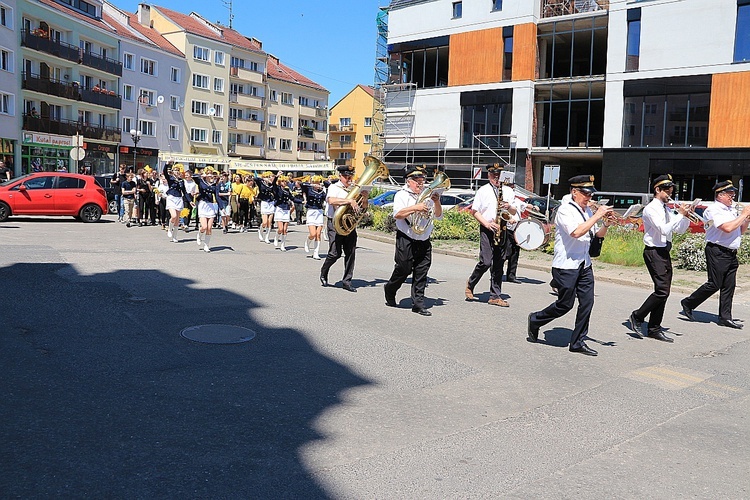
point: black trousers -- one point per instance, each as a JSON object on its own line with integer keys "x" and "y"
{"x": 659, "y": 265}
{"x": 244, "y": 208}
{"x": 572, "y": 284}
{"x": 722, "y": 266}
{"x": 513, "y": 253}
{"x": 490, "y": 257}
{"x": 412, "y": 257}
{"x": 338, "y": 245}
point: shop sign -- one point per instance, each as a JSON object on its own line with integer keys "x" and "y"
{"x": 128, "y": 150}
{"x": 104, "y": 148}
{"x": 47, "y": 139}
{"x": 321, "y": 166}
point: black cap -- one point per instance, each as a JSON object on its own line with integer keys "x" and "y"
{"x": 724, "y": 186}
{"x": 345, "y": 169}
{"x": 583, "y": 182}
{"x": 494, "y": 167}
{"x": 663, "y": 182}
{"x": 415, "y": 171}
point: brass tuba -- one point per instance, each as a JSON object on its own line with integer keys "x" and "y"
{"x": 345, "y": 218}
{"x": 421, "y": 220}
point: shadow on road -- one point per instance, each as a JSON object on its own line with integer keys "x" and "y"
{"x": 103, "y": 398}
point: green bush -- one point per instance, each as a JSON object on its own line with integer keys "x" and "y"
{"x": 689, "y": 252}
{"x": 456, "y": 225}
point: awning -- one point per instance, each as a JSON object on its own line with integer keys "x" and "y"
{"x": 284, "y": 166}
{"x": 193, "y": 158}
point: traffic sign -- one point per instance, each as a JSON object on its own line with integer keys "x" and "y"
{"x": 77, "y": 154}
{"x": 551, "y": 174}
{"x": 477, "y": 174}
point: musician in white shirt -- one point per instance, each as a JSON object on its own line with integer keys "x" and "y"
{"x": 723, "y": 238}
{"x": 659, "y": 224}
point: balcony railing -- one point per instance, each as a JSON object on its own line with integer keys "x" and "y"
{"x": 554, "y": 8}
{"x": 342, "y": 145}
{"x": 70, "y": 127}
{"x": 73, "y": 91}
{"x": 342, "y": 128}
{"x": 341, "y": 162}
{"x": 39, "y": 40}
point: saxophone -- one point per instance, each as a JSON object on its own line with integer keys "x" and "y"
{"x": 502, "y": 218}
{"x": 345, "y": 218}
{"x": 420, "y": 220}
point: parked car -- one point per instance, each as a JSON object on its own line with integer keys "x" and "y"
{"x": 540, "y": 203}
{"x": 104, "y": 182}
{"x": 694, "y": 227}
{"x": 53, "y": 193}
{"x": 383, "y": 198}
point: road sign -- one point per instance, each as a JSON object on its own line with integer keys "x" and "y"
{"x": 477, "y": 173}
{"x": 77, "y": 154}
{"x": 551, "y": 174}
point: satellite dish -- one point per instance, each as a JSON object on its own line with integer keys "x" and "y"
{"x": 160, "y": 99}
{"x": 211, "y": 111}
{"x": 182, "y": 104}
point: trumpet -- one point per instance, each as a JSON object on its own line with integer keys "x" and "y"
{"x": 612, "y": 217}
{"x": 690, "y": 207}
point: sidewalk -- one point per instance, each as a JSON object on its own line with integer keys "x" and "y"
{"x": 684, "y": 280}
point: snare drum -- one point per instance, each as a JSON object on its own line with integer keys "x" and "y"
{"x": 530, "y": 234}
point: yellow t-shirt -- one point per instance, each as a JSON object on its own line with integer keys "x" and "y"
{"x": 249, "y": 193}
{"x": 237, "y": 188}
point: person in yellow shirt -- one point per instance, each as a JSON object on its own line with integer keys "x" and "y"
{"x": 234, "y": 199}
{"x": 247, "y": 196}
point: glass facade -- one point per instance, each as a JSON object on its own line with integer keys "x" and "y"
{"x": 573, "y": 48}
{"x": 570, "y": 115}
{"x": 423, "y": 62}
{"x": 38, "y": 158}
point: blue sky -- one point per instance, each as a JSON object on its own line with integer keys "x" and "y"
{"x": 332, "y": 42}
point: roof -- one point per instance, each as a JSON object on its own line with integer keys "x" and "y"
{"x": 142, "y": 33}
{"x": 190, "y": 24}
{"x": 278, "y": 71}
{"x": 366, "y": 88}
{"x": 78, "y": 15}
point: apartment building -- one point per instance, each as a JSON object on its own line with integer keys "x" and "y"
{"x": 297, "y": 116}
{"x": 69, "y": 71}
{"x": 624, "y": 89}
{"x": 154, "y": 71}
{"x": 9, "y": 85}
{"x": 350, "y": 129}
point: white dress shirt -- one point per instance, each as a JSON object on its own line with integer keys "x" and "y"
{"x": 718, "y": 213}
{"x": 405, "y": 198}
{"x": 335, "y": 190}
{"x": 485, "y": 202}
{"x": 659, "y": 223}
{"x": 571, "y": 252}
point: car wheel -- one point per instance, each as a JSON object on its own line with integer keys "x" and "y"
{"x": 112, "y": 207}
{"x": 4, "y": 211}
{"x": 90, "y": 213}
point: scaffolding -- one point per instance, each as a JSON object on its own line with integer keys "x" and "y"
{"x": 494, "y": 148}
{"x": 381, "y": 78}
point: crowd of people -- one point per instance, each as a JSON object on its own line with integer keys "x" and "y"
{"x": 176, "y": 196}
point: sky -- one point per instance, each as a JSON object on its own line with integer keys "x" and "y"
{"x": 332, "y": 42}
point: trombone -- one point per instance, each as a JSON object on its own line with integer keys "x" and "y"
{"x": 690, "y": 207}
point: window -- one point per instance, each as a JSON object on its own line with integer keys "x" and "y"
{"x": 147, "y": 127}
{"x": 507, "y": 53}
{"x": 497, "y": 5}
{"x": 457, "y": 8}
{"x": 286, "y": 122}
{"x": 287, "y": 98}
{"x": 219, "y": 110}
{"x": 423, "y": 62}
{"x": 174, "y": 75}
{"x": 216, "y": 136}
{"x": 271, "y": 120}
{"x": 345, "y": 122}
{"x": 486, "y": 112}
{"x": 274, "y": 96}
{"x": 6, "y": 104}
{"x": 218, "y": 85}
{"x": 572, "y": 115}
{"x": 742, "y": 33}
{"x": 174, "y": 103}
{"x": 199, "y": 107}
{"x": 198, "y": 135}
{"x": 368, "y": 139}
{"x": 304, "y": 101}
{"x": 254, "y": 66}
{"x": 368, "y": 121}
{"x": 219, "y": 57}
{"x": 200, "y": 81}
{"x": 236, "y": 62}
{"x": 174, "y": 132}
{"x": 200, "y": 53}
{"x": 148, "y": 66}
{"x": 271, "y": 143}
{"x": 127, "y": 125}
{"x": 148, "y": 97}
{"x": 633, "y": 51}
{"x": 70, "y": 183}
{"x": 285, "y": 144}
{"x": 6, "y": 16}
{"x": 127, "y": 93}
{"x": 128, "y": 61}
{"x": 6, "y": 60}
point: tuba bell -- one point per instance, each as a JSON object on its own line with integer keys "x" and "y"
{"x": 345, "y": 218}
{"x": 421, "y": 220}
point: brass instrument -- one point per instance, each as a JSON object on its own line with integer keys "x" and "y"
{"x": 690, "y": 207}
{"x": 421, "y": 220}
{"x": 345, "y": 218}
{"x": 612, "y": 217}
{"x": 502, "y": 218}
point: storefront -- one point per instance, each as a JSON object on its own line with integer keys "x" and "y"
{"x": 7, "y": 154}
{"x": 100, "y": 159}
{"x": 46, "y": 153}
{"x": 144, "y": 157}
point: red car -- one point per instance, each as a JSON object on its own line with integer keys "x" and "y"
{"x": 53, "y": 193}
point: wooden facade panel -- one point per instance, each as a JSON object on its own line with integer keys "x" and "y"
{"x": 729, "y": 120}
{"x": 524, "y": 52}
{"x": 476, "y": 57}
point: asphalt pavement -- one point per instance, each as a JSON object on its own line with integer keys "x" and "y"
{"x": 337, "y": 395}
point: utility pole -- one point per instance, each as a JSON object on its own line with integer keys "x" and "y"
{"x": 228, "y": 5}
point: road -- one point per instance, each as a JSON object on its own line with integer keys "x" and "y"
{"x": 338, "y": 396}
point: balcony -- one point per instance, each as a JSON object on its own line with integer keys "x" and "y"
{"x": 246, "y": 125}
{"x": 248, "y": 100}
{"x": 310, "y": 111}
{"x": 310, "y": 155}
{"x": 342, "y": 145}
{"x": 555, "y": 8}
{"x": 246, "y": 74}
{"x": 342, "y": 128}
{"x": 73, "y": 91}
{"x": 69, "y": 127}
{"x": 342, "y": 162}
{"x": 39, "y": 40}
{"x": 246, "y": 150}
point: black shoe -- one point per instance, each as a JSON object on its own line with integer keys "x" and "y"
{"x": 730, "y": 323}
{"x": 323, "y": 280}
{"x": 390, "y": 300}
{"x": 421, "y": 311}
{"x": 512, "y": 280}
{"x": 531, "y": 330}
{"x": 348, "y": 288}
{"x": 127, "y": 225}
{"x": 636, "y": 325}
{"x": 584, "y": 349}
{"x": 687, "y": 311}
{"x": 659, "y": 335}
